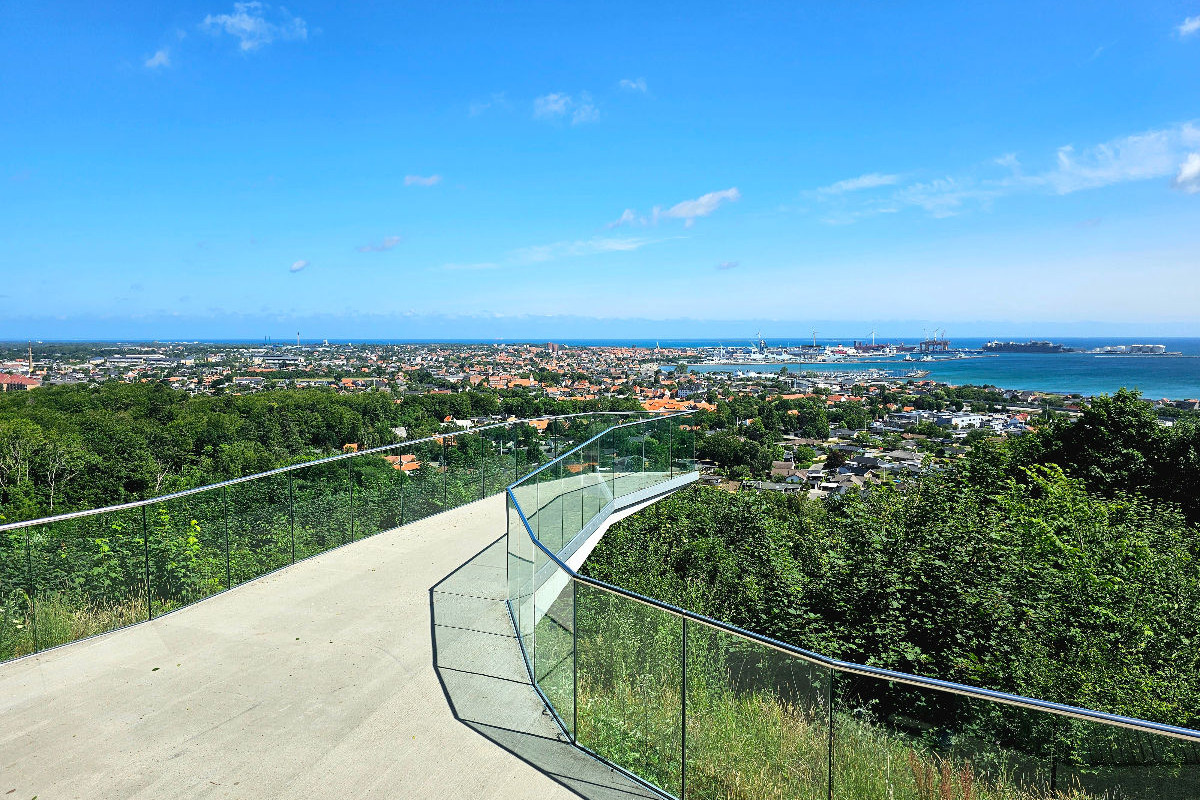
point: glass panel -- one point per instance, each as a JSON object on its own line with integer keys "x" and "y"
{"x": 892, "y": 739}
{"x": 555, "y": 633}
{"x": 423, "y": 487}
{"x": 379, "y": 492}
{"x": 497, "y": 465}
{"x": 655, "y": 443}
{"x": 573, "y": 478}
{"x": 550, "y": 510}
{"x": 16, "y": 622}
{"x": 260, "y": 530}
{"x": 187, "y": 550}
{"x": 627, "y": 466}
{"x": 463, "y": 480}
{"x": 1102, "y": 761}
{"x": 683, "y": 448}
{"x": 629, "y": 700}
{"x": 602, "y": 485}
{"x": 321, "y": 501}
{"x": 88, "y": 576}
{"x": 520, "y": 559}
{"x": 757, "y": 719}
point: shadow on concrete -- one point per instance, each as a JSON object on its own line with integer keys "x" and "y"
{"x": 479, "y": 663}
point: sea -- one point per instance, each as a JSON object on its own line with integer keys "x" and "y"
{"x": 1166, "y": 377}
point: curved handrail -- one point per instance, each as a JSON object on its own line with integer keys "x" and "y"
{"x": 921, "y": 681}
{"x": 12, "y": 526}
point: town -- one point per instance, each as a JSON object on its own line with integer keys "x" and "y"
{"x": 861, "y": 426}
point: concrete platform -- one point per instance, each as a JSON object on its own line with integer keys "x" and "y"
{"x": 318, "y": 680}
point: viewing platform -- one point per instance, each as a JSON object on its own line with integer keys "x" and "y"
{"x": 341, "y": 628}
{"x": 318, "y": 680}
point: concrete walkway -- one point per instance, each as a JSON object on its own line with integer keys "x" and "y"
{"x": 316, "y": 681}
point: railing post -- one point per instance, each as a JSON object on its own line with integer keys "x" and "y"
{"x": 683, "y": 681}
{"x": 350, "y": 475}
{"x": 292, "y": 514}
{"x": 445, "y": 477}
{"x": 670, "y": 450}
{"x": 574, "y": 660}
{"x": 829, "y": 744}
{"x": 29, "y": 582}
{"x": 482, "y": 472}
{"x": 146, "y": 553}
{"x": 225, "y": 506}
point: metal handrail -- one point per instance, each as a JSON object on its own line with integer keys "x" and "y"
{"x": 1075, "y": 712}
{"x": 28, "y": 523}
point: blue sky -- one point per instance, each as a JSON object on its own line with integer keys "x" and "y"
{"x": 428, "y": 170}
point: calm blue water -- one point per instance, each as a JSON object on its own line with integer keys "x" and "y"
{"x": 1154, "y": 376}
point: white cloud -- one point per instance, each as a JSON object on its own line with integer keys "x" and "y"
{"x": 549, "y": 106}
{"x": 387, "y": 244}
{"x": 538, "y": 254}
{"x": 687, "y": 211}
{"x": 702, "y": 206}
{"x": 585, "y": 110}
{"x": 558, "y": 105}
{"x": 1189, "y": 26}
{"x": 421, "y": 180}
{"x": 161, "y": 58}
{"x": 255, "y": 24}
{"x": 1149, "y": 155}
{"x": 727, "y": 265}
{"x": 1188, "y": 178}
{"x": 628, "y": 217}
{"x": 871, "y": 180}
{"x": 297, "y": 266}
{"x": 634, "y": 84}
{"x": 1153, "y": 154}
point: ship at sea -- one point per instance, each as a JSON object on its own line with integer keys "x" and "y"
{"x": 1031, "y": 346}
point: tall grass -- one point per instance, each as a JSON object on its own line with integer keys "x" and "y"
{"x": 752, "y": 746}
{"x": 60, "y": 617}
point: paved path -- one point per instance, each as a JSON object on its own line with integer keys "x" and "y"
{"x": 315, "y": 681}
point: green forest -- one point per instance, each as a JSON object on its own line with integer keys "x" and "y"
{"x": 65, "y": 448}
{"x": 73, "y": 448}
{"x": 1062, "y": 565}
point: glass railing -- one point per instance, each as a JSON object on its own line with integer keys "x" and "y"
{"x": 695, "y": 708}
{"x": 67, "y": 577}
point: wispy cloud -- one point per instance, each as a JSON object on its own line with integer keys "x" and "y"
{"x": 871, "y": 180}
{"x": 255, "y": 24}
{"x": 1188, "y": 178}
{"x": 633, "y": 84}
{"x": 538, "y": 254}
{"x": 495, "y": 100}
{"x": 702, "y": 206}
{"x": 1149, "y": 155}
{"x": 628, "y": 217}
{"x": 688, "y": 210}
{"x": 727, "y": 265}
{"x": 552, "y": 105}
{"x": 559, "y": 105}
{"x": 1189, "y": 26}
{"x": 387, "y": 244}
{"x": 422, "y": 180}
{"x": 161, "y": 58}
{"x": 297, "y": 266}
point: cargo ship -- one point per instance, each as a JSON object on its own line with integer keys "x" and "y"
{"x": 1031, "y": 346}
